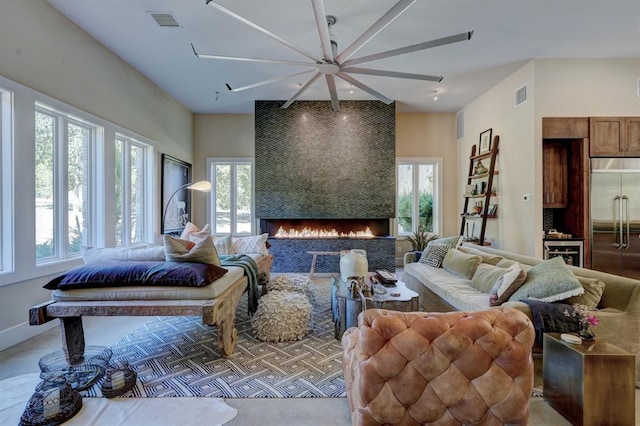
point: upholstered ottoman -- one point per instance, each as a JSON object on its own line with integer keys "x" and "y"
{"x": 282, "y": 316}
{"x": 293, "y": 282}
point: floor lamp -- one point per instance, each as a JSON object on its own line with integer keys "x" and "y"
{"x": 201, "y": 186}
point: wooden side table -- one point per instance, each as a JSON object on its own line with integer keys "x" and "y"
{"x": 589, "y": 384}
{"x": 345, "y": 309}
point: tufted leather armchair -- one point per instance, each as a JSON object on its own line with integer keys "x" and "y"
{"x": 414, "y": 368}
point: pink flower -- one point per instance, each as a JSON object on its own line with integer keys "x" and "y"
{"x": 593, "y": 320}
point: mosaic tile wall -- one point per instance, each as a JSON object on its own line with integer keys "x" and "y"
{"x": 290, "y": 254}
{"x": 312, "y": 162}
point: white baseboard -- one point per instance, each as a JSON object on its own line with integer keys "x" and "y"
{"x": 19, "y": 333}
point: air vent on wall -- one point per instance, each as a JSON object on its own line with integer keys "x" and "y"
{"x": 460, "y": 125}
{"x": 164, "y": 19}
{"x": 521, "y": 95}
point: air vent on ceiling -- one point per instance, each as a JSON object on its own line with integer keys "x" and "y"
{"x": 164, "y": 19}
{"x": 460, "y": 125}
{"x": 521, "y": 95}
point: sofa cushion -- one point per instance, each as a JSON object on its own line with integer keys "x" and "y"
{"x": 434, "y": 254}
{"x": 507, "y": 284}
{"x": 462, "y": 264}
{"x": 549, "y": 281}
{"x": 489, "y": 258}
{"x": 486, "y": 276}
{"x": 593, "y": 289}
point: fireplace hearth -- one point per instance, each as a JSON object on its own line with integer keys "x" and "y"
{"x": 325, "y": 228}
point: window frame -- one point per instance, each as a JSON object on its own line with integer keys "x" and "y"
{"x": 212, "y": 162}
{"x": 436, "y": 163}
{"x": 6, "y": 186}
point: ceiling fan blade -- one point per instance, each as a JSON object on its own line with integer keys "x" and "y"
{"x": 364, "y": 87}
{"x": 408, "y": 49}
{"x": 237, "y": 58}
{"x": 355, "y": 70}
{"x": 264, "y": 31}
{"x": 331, "y": 82}
{"x": 263, "y": 82}
{"x": 302, "y": 90}
{"x": 373, "y": 30}
{"x": 323, "y": 29}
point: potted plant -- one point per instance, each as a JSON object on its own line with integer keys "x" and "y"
{"x": 419, "y": 240}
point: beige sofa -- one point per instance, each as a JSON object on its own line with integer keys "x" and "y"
{"x": 618, "y": 309}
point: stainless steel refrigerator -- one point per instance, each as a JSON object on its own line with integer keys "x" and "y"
{"x": 615, "y": 216}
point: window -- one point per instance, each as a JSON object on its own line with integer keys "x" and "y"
{"x": 231, "y": 204}
{"x": 6, "y": 145}
{"x": 65, "y": 150}
{"x": 131, "y": 192}
{"x": 417, "y": 195}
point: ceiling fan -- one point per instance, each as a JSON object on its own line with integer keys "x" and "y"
{"x": 333, "y": 64}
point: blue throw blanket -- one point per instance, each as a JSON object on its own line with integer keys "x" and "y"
{"x": 550, "y": 318}
{"x": 250, "y": 270}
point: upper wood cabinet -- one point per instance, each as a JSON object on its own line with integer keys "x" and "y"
{"x": 565, "y": 127}
{"x": 614, "y": 137}
{"x": 555, "y": 172}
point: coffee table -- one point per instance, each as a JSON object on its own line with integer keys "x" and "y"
{"x": 345, "y": 309}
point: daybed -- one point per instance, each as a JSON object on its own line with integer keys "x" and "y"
{"x": 183, "y": 288}
{"x": 440, "y": 290}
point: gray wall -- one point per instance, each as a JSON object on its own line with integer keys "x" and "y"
{"x": 312, "y": 162}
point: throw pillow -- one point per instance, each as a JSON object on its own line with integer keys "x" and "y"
{"x": 153, "y": 252}
{"x": 106, "y": 254}
{"x": 192, "y": 230}
{"x": 454, "y": 241}
{"x": 486, "y": 276}
{"x": 593, "y": 289}
{"x": 252, "y": 244}
{"x": 461, "y": 264}
{"x": 224, "y": 245}
{"x": 435, "y": 253}
{"x": 203, "y": 251}
{"x": 507, "y": 284}
{"x": 505, "y": 263}
{"x": 549, "y": 281}
{"x": 491, "y": 259}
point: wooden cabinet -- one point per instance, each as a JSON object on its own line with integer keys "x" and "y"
{"x": 614, "y": 136}
{"x": 554, "y": 174}
{"x": 480, "y": 191}
{"x": 565, "y": 127}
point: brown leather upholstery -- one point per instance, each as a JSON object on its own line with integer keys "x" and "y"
{"x": 448, "y": 368}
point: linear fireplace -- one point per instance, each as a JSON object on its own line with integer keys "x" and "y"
{"x": 291, "y": 241}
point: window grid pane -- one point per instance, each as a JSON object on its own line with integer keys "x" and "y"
{"x": 78, "y": 139}
{"x": 425, "y": 191}
{"x": 137, "y": 194}
{"x": 405, "y": 198}
{"x": 119, "y": 194}
{"x": 45, "y": 131}
{"x": 243, "y": 199}
{"x": 223, "y": 199}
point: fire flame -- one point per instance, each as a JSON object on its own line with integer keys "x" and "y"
{"x": 322, "y": 233}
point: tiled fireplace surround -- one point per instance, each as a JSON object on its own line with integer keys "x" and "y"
{"x": 317, "y": 167}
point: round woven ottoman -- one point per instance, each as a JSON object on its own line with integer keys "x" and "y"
{"x": 282, "y": 316}
{"x": 293, "y": 282}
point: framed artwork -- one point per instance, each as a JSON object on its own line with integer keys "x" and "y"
{"x": 175, "y": 174}
{"x": 485, "y": 142}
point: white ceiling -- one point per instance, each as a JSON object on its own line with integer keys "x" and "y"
{"x": 507, "y": 33}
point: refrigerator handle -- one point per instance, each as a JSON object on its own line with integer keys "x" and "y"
{"x": 625, "y": 243}
{"x": 617, "y": 221}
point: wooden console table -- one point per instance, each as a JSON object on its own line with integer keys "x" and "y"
{"x": 589, "y": 384}
{"x": 345, "y": 309}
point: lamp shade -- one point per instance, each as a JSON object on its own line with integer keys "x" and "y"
{"x": 202, "y": 186}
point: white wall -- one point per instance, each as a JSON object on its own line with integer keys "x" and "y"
{"x": 41, "y": 49}
{"x": 518, "y": 160}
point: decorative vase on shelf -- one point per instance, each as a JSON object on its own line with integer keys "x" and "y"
{"x": 585, "y": 333}
{"x": 353, "y": 263}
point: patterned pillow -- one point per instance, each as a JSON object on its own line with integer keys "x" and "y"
{"x": 252, "y": 244}
{"x": 203, "y": 251}
{"x": 435, "y": 253}
{"x": 549, "y": 281}
{"x": 224, "y": 245}
{"x": 192, "y": 230}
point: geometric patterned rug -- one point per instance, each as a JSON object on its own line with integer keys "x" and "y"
{"x": 178, "y": 357}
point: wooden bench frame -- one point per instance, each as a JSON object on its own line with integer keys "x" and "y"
{"x": 220, "y": 312}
